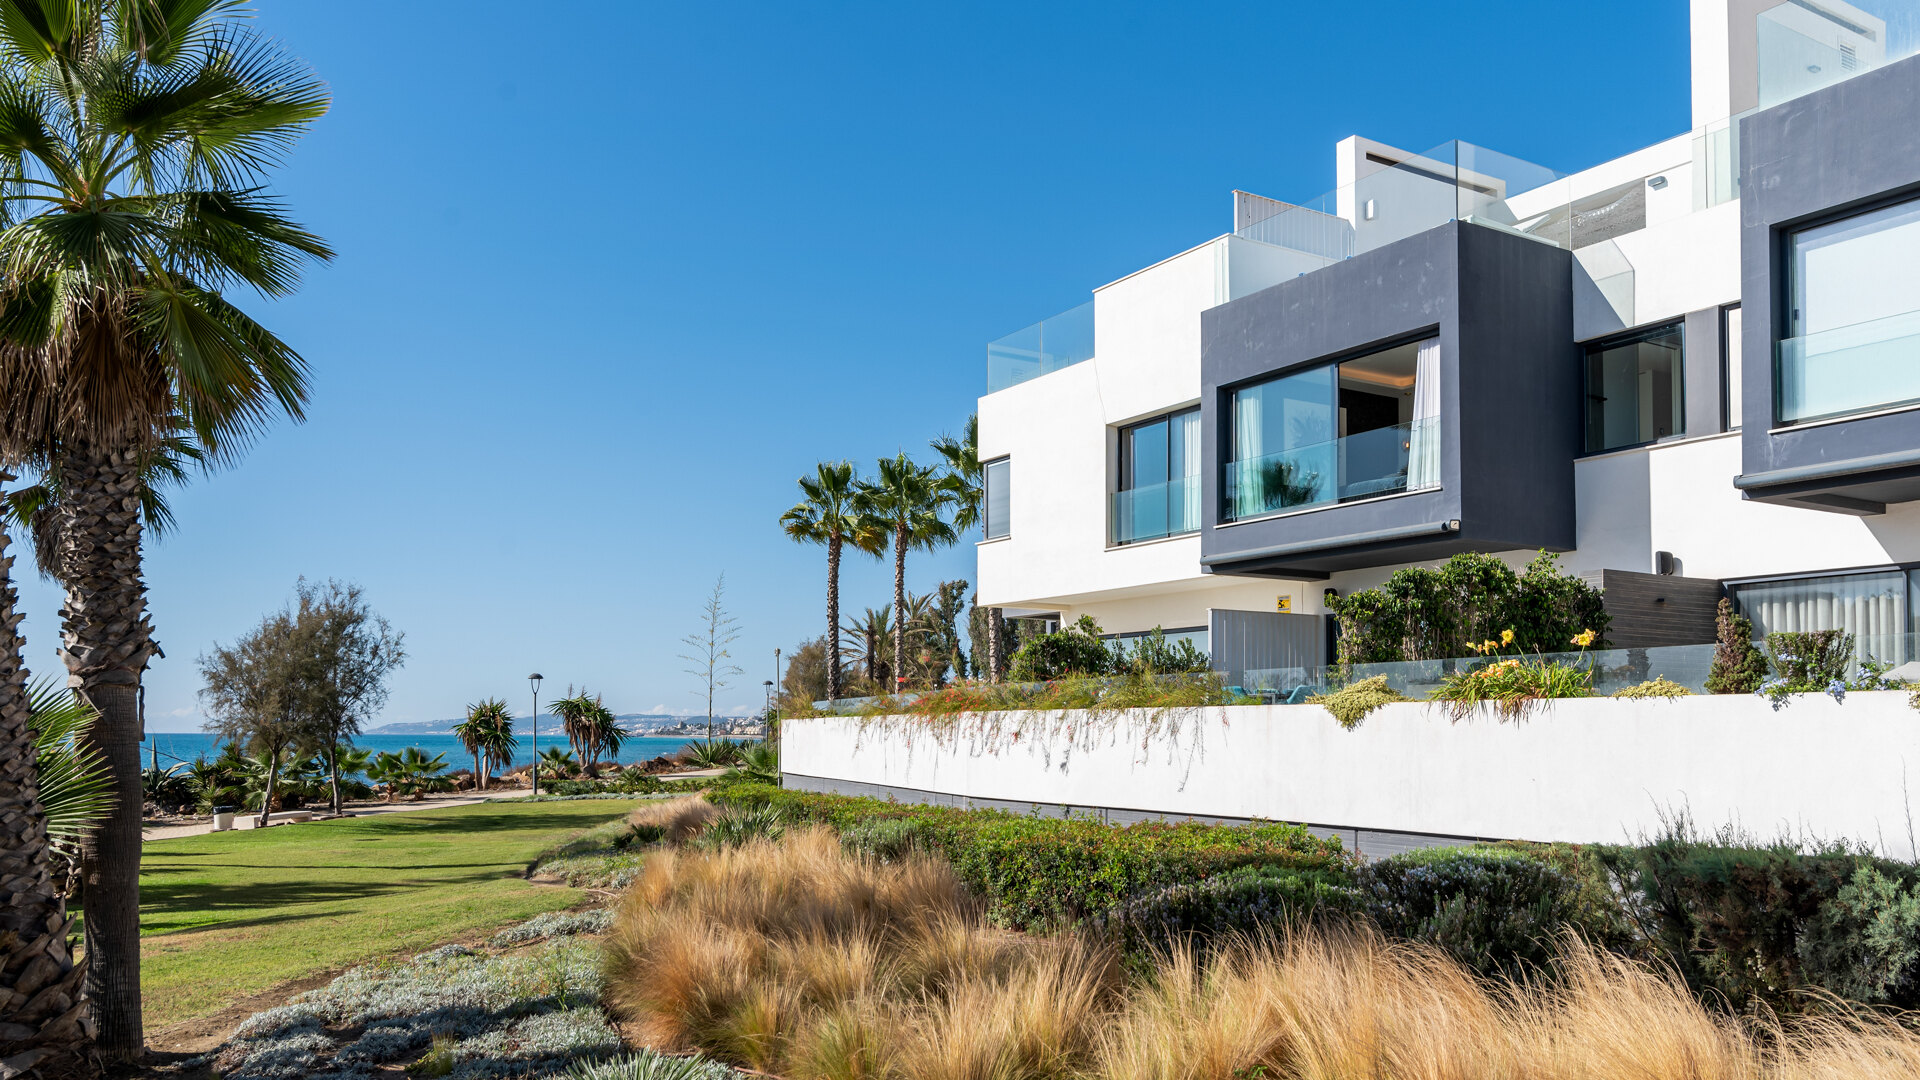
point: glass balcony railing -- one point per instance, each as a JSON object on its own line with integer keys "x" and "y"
{"x": 1046, "y": 346}
{"x": 1384, "y": 461}
{"x": 1869, "y": 365}
{"x": 1153, "y": 511}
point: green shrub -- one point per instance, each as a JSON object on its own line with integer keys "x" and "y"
{"x": 885, "y": 839}
{"x": 1658, "y": 687}
{"x": 1155, "y": 655}
{"x": 1433, "y": 613}
{"x": 1762, "y": 924}
{"x": 1497, "y": 910}
{"x": 1810, "y": 660}
{"x": 1037, "y": 873}
{"x": 1738, "y": 667}
{"x": 1072, "y": 650}
{"x": 1247, "y": 900}
{"x": 1351, "y": 704}
{"x": 1864, "y": 943}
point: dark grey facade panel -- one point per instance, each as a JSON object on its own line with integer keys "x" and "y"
{"x": 1242, "y": 641}
{"x": 1501, "y": 305}
{"x": 1836, "y": 150}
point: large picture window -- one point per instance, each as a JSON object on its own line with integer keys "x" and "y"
{"x": 1852, "y": 333}
{"x": 1633, "y": 389}
{"x": 1358, "y": 429}
{"x": 996, "y": 475}
{"x": 1159, "y": 479}
{"x": 1876, "y": 607}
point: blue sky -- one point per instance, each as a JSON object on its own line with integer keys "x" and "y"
{"x": 608, "y": 283}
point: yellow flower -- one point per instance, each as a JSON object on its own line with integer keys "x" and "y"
{"x": 1506, "y": 637}
{"x": 1584, "y": 638}
{"x": 1473, "y": 645}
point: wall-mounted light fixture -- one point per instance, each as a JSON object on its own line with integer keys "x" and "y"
{"x": 1366, "y": 211}
{"x": 1656, "y": 182}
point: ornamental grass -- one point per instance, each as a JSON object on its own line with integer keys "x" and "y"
{"x": 800, "y": 959}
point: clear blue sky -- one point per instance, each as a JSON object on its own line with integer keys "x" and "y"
{"x": 613, "y": 274}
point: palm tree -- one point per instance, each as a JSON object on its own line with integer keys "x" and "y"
{"x": 906, "y": 499}
{"x": 134, "y": 143}
{"x": 827, "y": 514}
{"x": 961, "y": 476}
{"x": 481, "y": 734}
{"x": 580, "y": 718}
{"x": 557, "y": 761}
{"x": 34, "y": 922}
{"x": 604, "y": 736}
{"x": 870, "y": 632}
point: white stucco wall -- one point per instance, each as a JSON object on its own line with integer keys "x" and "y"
{"x": 1590, "y": 770}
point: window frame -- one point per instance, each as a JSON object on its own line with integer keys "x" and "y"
{"x": 1783, "y": 285}
{"x": 1730, "y": 360}
{"x": 986, "y": 499}
{"x": 1677, "y": 326}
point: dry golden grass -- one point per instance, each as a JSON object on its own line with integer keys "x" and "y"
{"x": 798, "y": 959}
{"x": 677, "y": 819}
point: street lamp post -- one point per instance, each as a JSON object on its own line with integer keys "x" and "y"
{"x": 533, "y": 680}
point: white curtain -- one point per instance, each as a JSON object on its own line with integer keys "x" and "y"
{"x": 1247, "y": 495}
{"x": 1423, "y": 442}
{"x": 1872, "y": 607}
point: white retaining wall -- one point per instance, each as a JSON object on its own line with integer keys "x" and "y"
{"x": 1584, "y": 770}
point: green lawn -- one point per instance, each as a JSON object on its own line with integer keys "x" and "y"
{"x": 227, "y": 915}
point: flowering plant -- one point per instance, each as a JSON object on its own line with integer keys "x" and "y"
{"x": 1513, "y": 683}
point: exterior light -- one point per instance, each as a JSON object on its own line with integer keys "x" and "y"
{"x": 533, "y": 680}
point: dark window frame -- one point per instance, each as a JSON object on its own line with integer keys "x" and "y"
{"x": 1730, "y": 356}
{"x": 1634, "y": 336}
{"x": 1121, "y": 470}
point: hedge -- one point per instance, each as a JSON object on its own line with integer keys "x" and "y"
{"x": 1038, "y": 873}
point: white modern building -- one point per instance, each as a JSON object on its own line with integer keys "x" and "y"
{"x": 1693, "y": 370}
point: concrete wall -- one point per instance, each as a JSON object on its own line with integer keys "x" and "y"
{"x": 1592, "y": 770}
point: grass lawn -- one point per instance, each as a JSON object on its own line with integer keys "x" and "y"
{"x": 226, "y": 915}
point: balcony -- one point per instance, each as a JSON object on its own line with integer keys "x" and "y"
{"x": 1046, "y": 346}
{"x": 1866, "y": 366}
{"x": 1154, "y": 511}
{"x": 1385, "y": 461}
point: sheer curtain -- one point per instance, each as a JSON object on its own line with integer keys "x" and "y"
{"x": 1246, "y": 496}
{"x": 1423, "y": 443}
{"x": 1872, "y": 607}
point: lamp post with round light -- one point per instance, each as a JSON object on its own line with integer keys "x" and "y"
{"x": 533, "y": 680}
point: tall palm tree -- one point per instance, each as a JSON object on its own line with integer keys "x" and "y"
{"x": 34, "y": 955}
{"x": 907, "y": 500}
{"x": 481, "y": 734}
{"x": 135, "y": 138}
{"x": 827, "y": 514}
{"x": 961, "y": 476}
{"x": 589, "y": 725}
{"x": 604, "y": 736}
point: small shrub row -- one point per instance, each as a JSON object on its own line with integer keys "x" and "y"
{"x": 1034, "y": 872}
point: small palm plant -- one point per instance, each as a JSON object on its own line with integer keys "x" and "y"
{"x": 410, "y": 773}
{"x": 558, "y": 762}
{"x": 487, "y": 733}
{"x": 76, "y": 787}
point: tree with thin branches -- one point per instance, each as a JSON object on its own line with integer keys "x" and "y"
{"x": 708, "y": 655}
{"x": 827, "y": 514}
{"x": 136, "y": 137}
{"x": 908, "y": 501}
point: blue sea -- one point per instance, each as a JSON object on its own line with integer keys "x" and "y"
{"x": 178, "y": 746}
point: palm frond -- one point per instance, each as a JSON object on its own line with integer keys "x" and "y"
{"x": 76, "y": 787}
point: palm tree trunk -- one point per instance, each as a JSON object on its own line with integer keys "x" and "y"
{"x": 106, "y": 644}
{"x": 333, "y": 772}
{"x": 993, "y": 645}
{"x": 479, "y": 778}
{"x": 899, "y": 605}
{"x": 40, "y": 985}
{"x": 833, "y": 617}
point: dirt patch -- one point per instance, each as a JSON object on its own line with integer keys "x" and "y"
{"x": 204, "y": 1033}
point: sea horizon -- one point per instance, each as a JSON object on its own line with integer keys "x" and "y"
{"x": 176, "y": 747}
